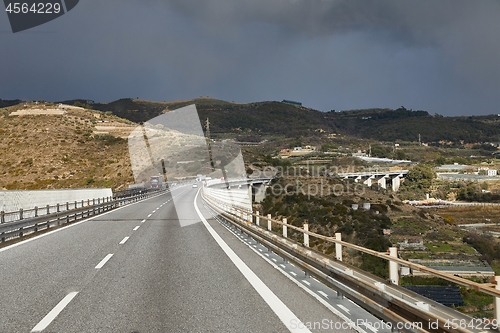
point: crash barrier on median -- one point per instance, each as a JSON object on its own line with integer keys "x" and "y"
{"x": 18, "y": 205}
{"x": 385, "y": 298}
{"x": 73, "y": 212}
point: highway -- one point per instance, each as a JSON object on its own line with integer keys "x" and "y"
{"x": 141, "y": 268}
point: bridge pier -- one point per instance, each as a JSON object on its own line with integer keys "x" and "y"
{"x": 396, "y": 182}
{"x": 382, "y": 182}
{"x": 368, "y": 182}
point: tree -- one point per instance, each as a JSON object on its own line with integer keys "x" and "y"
{"x": 417, "y": 182}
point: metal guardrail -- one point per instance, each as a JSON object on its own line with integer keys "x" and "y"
{"x": 22, "y": 214}
{"x": 28, "y": 225}
{"x": 389, "y": 301}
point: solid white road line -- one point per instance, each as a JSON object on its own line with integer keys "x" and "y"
{"x": 104, "y": 261}
{"x": 316, "y": 296}
{"x": 54, "y": 312}
{"x": 123, "y": 240}
{"x": 136, "y": 228}
{"x": 280, "y": 309}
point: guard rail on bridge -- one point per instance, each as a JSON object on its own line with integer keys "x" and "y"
{"x": 386, "y": 299}
{"x": 59, "y": 214}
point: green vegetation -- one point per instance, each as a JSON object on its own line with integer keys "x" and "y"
{"x": 484, "y": 244}
{"x": 474, "y": 192}
{"x": 445, "y": 247}
{"x": 329, "y": 214}
{"x": 417, "y": 182}
{"x": 6, "y": 103}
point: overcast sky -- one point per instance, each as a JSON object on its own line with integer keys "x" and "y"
{"x": 442, "y": 56}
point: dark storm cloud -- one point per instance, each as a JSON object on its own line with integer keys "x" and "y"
{"x": 466, "y": 30}
{"x": 441, "y": 56}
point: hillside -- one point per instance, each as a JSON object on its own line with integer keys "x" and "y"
{"x": 269, "y": 118}
{"x": 5, "y": 103}
{"x": 261, "y": 117}
{"x": 77, "y": 149}
{"x": 406, "y": 125}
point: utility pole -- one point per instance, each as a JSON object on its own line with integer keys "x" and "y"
{"x": 209, "y": 140}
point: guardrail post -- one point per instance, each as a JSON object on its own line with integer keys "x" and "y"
{"x": 338, "y": 247}
{"x": 285, "y": 229}
{"x": 497, "y": 299}
{"x": 20, "y": 213}
{"x": 2, "y": 216}
{"x": 67, "y": 205}
{"x": 82, "y": 203}
{"x": 269, "y": 222}
{"x": 58, "y": 210}
{"x": 306, "y": 236}
{"x": 48, "y": 209}
{"x": 36, "y": 211}
{"x": 393, "y": 266}
{"x": 76, "y": 203}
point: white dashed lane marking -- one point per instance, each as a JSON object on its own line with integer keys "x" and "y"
{"x": 124, "y": 240}
{"x": 104, "y": 261}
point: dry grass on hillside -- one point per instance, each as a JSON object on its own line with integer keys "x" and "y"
{"x": 64, "y": 151}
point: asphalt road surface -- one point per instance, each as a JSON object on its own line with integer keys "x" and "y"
{"x": 140, "y": 268}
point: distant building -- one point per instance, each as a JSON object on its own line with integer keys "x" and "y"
{"x": 291, "y": 102}
{"x": 487, "y": 171}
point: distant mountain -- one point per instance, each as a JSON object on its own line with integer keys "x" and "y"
{"x": 406, "y": 125}
{"x": 294, "y": 120}
{"x": 6, "y": 103}
{"x": 261, "y": 117}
